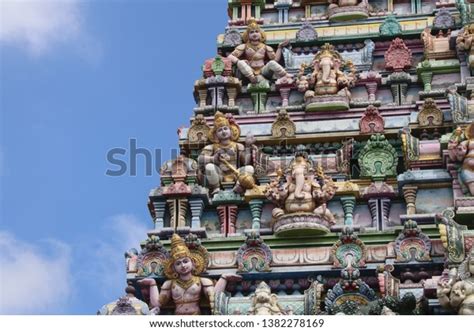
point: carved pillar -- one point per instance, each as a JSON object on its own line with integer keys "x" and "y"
{"x": 202, "y": 97}
{"x": 178, "y": 210}
{"x": 285, "y": 94}
{"x": 426, "y": 80}
{"x": 228, "y": 218}
{"x": 259, "y": 100}
{"x": 160, "y": 208}
{"x": 395, "y": 88}
{"x": 235, "y": 13}
{"x": 256, "y": 210}
{"x": 231, "y": 94}
{"x": 403, "y": 93}
{"x": 371, "y": 90}
{"x": 372, "y": 203}
{"x": 409, "y": 192}
{"x": 386, "y": 205}
{"x": 197, "y": 206}
{"x": 220, "y": 96}
{"x": 233, "y": 212}
{"x": 348, "y": 204}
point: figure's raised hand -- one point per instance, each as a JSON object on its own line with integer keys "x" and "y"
{"x": 147, "y": 282}
{"x": 284, "y": 44}
{"x": 232, "y": 278}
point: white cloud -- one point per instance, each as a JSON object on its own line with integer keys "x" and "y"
{"x": 33, "y": 281}
{"x": 106, "y": 261}
{"x": 40, "y": 25}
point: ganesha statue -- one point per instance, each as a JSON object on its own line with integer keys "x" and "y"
{"x": 327, "y": 87}
{"x": 456, "y": 291}
{"x": 461, "y": 150}
{"x": 464, "y": 43}
{"x": 346, "y": 10}
{"x": 301, "y": 197}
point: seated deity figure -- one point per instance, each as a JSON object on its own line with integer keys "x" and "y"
{"x": 256, "y": 60}
{"x": 461, "y": 149}
{"x": 221, "y": 159}
{"x": 458, "y": 291}
{"x": 345, "y": 3}
{"x": 329, "y": 84}
{"x": 184, "y": 287}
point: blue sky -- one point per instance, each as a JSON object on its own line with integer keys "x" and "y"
{"x": 77, "y": 79}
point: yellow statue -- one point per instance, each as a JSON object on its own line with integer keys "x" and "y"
{"x": 184, "y": 286}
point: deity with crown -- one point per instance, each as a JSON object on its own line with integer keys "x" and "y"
{"x": 184, "y": 287}
{"x": 255, "y": 60}
{"x": 225, "y": 159}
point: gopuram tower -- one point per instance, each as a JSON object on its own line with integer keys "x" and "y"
{"x": 328, "y": 168}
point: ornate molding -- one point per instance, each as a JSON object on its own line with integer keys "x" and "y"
{"x": 398, "y": 56}
{"x": 283, "y": 127}
{"x": 254, "y": 255}
{"x": 371, "y": 121}
{"x": 412, "y": 245}
{"x": 430, "y": 114}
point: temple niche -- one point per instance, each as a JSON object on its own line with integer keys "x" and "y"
{"x": 327, "y": 168}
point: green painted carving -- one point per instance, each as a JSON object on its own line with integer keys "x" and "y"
{"x": 390, "y": 27}
{"x": 256, "y": 210}
{"x": 378, "y": 159}
{"x": 218, "y": 66}
{"x": 348, "y": 204}
{"x": 463, "y": 11}
{"x": 452, "y": 236}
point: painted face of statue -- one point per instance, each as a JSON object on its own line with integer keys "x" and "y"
{"x": 255, "y": 35}
{"x": 183, "y": 266}
{"x": 223, "y": 133}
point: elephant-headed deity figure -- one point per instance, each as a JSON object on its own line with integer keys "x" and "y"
{"x": 457, "y": 290}
{"x": 302, "y": 189}
{"x": 461, "y": 149}
{"x": 328, "y": 86}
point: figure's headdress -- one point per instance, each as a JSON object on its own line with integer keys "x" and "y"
{"x": 178, "y": 251}
{"x": 263, "y": 287}
{"x": 253, "y": 25}
{"x": 221, "y": 120}
{"x": 327, "y": 50}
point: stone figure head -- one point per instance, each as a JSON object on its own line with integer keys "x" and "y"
{"x": 253, "y": 33}
{"x": 181, "y": 261}
{"x": 224, "y": 129}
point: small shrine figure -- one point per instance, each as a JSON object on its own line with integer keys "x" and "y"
{"x": 220, "y": 160}
{"x": 184, "y": 287}
{"x": 461, "y": 149}
{"x": 256, "y": 60}
{"x": 331, "y": 84}
{"x": 457, "y": 292}
{"x": 301, "y": 197}
{"x": 345, "y": 10}
{"x": 264, "y": 302}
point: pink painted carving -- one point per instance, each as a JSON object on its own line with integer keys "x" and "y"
{"x": 371, "y": 121}
{"x": 398, "y": 56}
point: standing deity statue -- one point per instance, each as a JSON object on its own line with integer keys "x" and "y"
{"x": 461, "y": 149}
{"x": 457, "y": 292}
{"x": 184, "y": 287}
{"x": 256, "y": 60}
{"x": 221, "y": 159}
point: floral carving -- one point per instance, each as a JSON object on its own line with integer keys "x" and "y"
{"x": 430, "y": 114}
{"x": 378, "y": 158}
{"x": 254, "y": 255}
{"x": 412, "y": 245}
{"x": 398, "y": 56}
{"x": 371, "y": 121}
{"x": 349, "y": 250}
{"x": 283, "y": 127}
{"x": 199, "y": 130}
